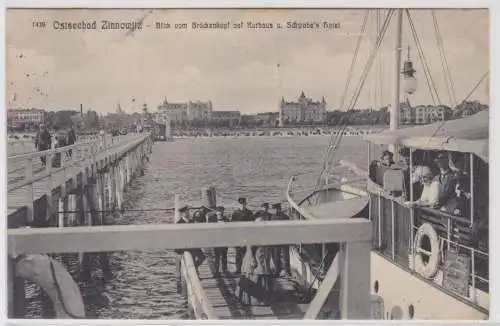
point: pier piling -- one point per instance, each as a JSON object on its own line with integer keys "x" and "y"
{"x": 82, "y": 189}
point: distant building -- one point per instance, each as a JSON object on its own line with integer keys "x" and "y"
{"x": 304, "y": 110}
{"x": 424, "y": 114}
{"x": 269, "y": 119}
{"x": 26, "y": 117}
{"x": 176, "y": 111}
{"x": 190, "y": 111}
{"x": 232, "y": 118}
{"x": 199, "y": 110}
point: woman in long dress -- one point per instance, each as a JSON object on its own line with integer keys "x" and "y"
{"x": 256, "y": 284}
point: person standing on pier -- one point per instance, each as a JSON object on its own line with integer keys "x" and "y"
{"x": 243, "y": 214}
{"x": 220, "y": 253}
{"x": 281, "y": 250}
{"x": 264, "y": 214}
{"x": 196, "y": 253}
{"x": 71, "y": 139}
{"x": 43, "y": 141}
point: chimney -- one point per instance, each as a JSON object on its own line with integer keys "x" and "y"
{"x": 81, "y": 110}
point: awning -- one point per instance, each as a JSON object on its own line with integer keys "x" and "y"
{"x": 467, "y": 135}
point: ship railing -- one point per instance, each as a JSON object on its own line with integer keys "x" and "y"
{"x": 402, "y": 218}
{"x": 473, "y": 254}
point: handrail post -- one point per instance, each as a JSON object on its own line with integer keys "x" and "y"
{"x": 473, "y": 270}
{"x": 393, "y": 232}
{"x": 379, "y": 221}
{"x": 30, "y": 190}
{"x": 471, "y": 189}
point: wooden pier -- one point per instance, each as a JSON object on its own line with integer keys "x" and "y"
{"x": 213, "y": 295}
{"x": 78, "y": 189}
{"x": 77, "y": 185}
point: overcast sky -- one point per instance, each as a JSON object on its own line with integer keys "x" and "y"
{"x": 235, "y": 69}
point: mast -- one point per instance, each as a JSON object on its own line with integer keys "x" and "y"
{"x": 394, "y": 122}
{"x": 278, "y": 77}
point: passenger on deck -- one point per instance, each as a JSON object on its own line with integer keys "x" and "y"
{"x": 278, "y": 251}
{"x": 387, "y": 158}
{"x": 378, "y": 167}
{"x": 243, "y": 214}
{"x": 196, "y": 253}
{"x": 460, "y": 204}
{"x": 264, "y": 213}
{"x": 447, "y": 179}
{"x": 430, "y": 190}
{"x": 457, "y": 164}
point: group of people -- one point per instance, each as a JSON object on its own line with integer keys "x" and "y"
{"x": 438, "y": 180}
{"x": 43, "y": 139}
{"x": 253, "y": 263}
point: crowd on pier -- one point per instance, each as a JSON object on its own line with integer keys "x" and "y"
{"x": 256, "y": 266}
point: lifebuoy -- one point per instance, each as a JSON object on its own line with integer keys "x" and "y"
{"x": 430, "y": 268}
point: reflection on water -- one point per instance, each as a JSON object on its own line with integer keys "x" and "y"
{"x": 144, "y": 282}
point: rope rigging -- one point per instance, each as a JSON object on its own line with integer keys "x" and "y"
{"x": 336, "y": 141}
{"x": 427, "y": 73}
{"x": 476, "y": 86}
{"x": 334, "y": 136}
{"x": 450, "y": 86}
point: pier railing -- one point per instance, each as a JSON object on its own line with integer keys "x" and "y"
{"x": 33, "y": 173}
{"x": 354, "y": 235}
{"x": 27, "y": 145}
{"x": 24, "y": 169}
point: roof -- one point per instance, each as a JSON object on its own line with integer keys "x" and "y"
{"x": 467, "y": 135}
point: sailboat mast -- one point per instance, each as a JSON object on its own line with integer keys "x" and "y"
{"x": 394, "y": 122}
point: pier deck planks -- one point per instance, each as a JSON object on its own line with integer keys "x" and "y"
{"x": 221, "y": 293}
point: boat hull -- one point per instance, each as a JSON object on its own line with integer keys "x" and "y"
{"x": 397, "y": 293}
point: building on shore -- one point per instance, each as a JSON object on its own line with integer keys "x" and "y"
{"x": 186, "y": 111}
{"x": 198, "y": 111}
{"x": 29, "y": 118}
{"x": 424, "y": 114}
{"x": 303, "y": 110}
{"x": 268, "y": 119}
{"x": 226, "y": 118}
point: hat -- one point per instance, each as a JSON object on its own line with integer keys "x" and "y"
{"x": 384, "y": 153}
{"x": 183, "y": 209}
{"x": 441, "y": 157}
{"x": 277, "y": 206}
{"x": 220, "y": 208}
{"x": 242, "y": 200}
{"x": 266, "y": 205}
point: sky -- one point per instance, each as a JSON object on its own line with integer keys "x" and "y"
{"x": 237, "y": 69}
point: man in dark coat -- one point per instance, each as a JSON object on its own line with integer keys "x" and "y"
{"x": 196, "y": 253}
{"x": 71, "y": 139}
{"x": 264, "y": 213}
{"x": 43, "y": 141}
{"x": 281, "y": 250}
{"x": 243, "y": 214}
{"x": 220, "y": 253}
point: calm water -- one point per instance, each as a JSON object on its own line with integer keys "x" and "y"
{"x": 144, "y": 283}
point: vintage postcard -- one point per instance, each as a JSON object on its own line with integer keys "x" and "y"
{"x": 248, "y": 163}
